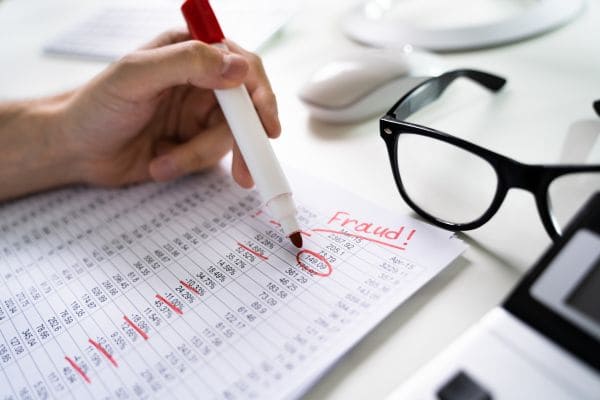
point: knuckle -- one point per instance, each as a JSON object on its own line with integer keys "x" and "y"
{"x": 270, "y": 97}
{"x": 255, "y": 60}
{"x": 126, "y": 66}
{"x": 266, "y": 96}
{"x": 194, "y": 47}
{"x": 196, "y": 51}
{"x": 128, "y": 61}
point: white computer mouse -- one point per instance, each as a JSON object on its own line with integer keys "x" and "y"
{"x": 366, "y": 83}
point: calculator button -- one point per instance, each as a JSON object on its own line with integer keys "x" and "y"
{"x": 463, "y": 387}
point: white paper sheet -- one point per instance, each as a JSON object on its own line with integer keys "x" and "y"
{"x": 113, "y": 31}
{"x": 189, "y": 289}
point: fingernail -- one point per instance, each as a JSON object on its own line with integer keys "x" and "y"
{"x": 164, "y": 169}
{"x": 234, "y": 66}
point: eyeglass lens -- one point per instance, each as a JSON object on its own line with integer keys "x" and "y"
{"x": 444, "y": 180}
{"x": 568, "y": 193}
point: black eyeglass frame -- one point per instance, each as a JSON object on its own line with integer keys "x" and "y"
{"x": 534, "y": 178}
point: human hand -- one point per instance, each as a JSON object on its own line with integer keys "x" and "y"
{"x": 153, "y": 115}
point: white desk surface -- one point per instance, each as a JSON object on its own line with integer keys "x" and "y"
{"x": 542, "y": 113}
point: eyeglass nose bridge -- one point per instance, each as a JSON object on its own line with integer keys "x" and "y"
{"x": 523, "y": 176}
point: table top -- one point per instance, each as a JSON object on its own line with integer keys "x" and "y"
{"x": 543, "y": 111}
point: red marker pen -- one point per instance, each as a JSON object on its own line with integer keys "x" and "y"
{"x": 247, "y": 129}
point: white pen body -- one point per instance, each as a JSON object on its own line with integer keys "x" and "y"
{"x": 258, "y": 154}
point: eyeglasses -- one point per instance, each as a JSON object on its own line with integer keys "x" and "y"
{"x": 458, "y": 185}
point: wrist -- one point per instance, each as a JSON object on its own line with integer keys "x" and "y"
{"x": 36, "y": 153}
{"x": 59, "y": 153}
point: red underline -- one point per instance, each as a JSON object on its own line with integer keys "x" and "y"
{"x": 189, "y": 287}
{"x": 136, "y": 328}
{"x": 305, "y": 233}
{"x": 274, "y": 222}
{"x": 359, "y": 236}
{"x": 257, "y": 254}
{"x": 105, "y": 353}
{"x": 171, "y": 305}
{"x": 78, "y": 369}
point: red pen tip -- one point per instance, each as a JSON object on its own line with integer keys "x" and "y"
{"x": 296, "y": 239}
{"x": 201, "y": 21}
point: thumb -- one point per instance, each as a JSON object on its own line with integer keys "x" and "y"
{"x": 146, "y": 73}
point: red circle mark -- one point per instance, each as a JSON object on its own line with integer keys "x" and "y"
{"x": 309, "y": 269}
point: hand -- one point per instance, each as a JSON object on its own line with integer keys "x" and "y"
{"x": 153, "y": 115}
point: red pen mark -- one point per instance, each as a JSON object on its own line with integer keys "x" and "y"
{"x": 256, "y": 253}
{"x": 343, "y": 223}
{"x": 169, "y": 304}
{"x": 189, "y": 287}
{"x": 257, "y": 213}
{"x": 78, "y": 369}
{"x": 410, "y": 235}
{"x": 315, "y": 258}
{"x": 359, "y": 236}
{"x": 273, "y": 222}
{"x": 136, "y": 328}
{"x": 305, "y": 233}
{"x": 105, "y": 353}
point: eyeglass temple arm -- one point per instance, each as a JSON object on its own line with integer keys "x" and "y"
{"x": 434, "y": 87}
{"x": 597, "y": 107}
{"x": 489, "y": 81}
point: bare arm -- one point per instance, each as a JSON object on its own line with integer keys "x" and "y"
{"x": 34, "y": 155}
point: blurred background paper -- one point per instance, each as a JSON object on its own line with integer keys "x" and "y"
{"x": 114, "y": 30}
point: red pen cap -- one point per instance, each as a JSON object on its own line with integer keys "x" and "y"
{"x": 201, "y": 21}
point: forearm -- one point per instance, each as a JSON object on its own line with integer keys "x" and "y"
{"x": 34, "y": 155}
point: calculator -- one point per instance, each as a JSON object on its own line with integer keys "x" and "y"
{"x": 542, "y": 343}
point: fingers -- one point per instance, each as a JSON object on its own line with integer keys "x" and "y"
{"x": 200, "y": 152}
{"x": 145, "y": 74}
{"x": 170, "y": 61}
{"x": 260, "y": 90}
{"x": 266, "y": 105}
{"x": 203, "y": 151}
{"x": 167, "y": 62}
{"x": 257, "y": 76}
{"x": 194, "y": 113}
{"x": 239, "y": 169}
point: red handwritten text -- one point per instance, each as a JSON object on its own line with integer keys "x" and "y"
{"x": 256, "y": 253}
{"x": 189, "y": 287}
{"x": 78, "y": 369}
{"x": 103, "y": 351}
{"x": 370, "y": 231}
{"x": 169, "y": 304}
{"x": 136, "y": 328}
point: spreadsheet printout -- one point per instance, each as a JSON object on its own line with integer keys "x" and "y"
{"x": 189, "y": 289}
